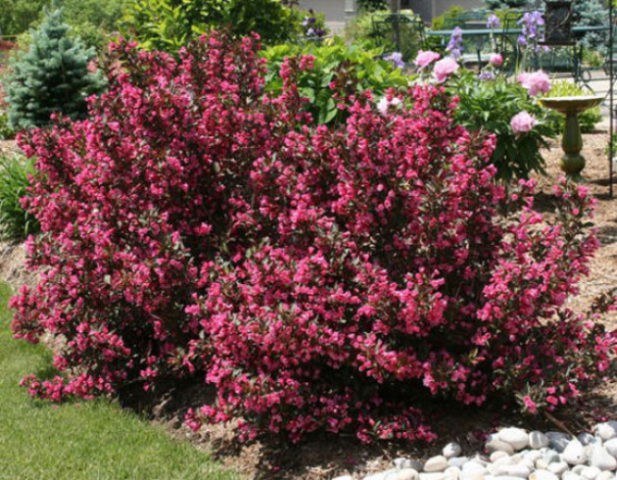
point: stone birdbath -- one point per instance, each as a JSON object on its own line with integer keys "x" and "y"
{"x": 572, "y": 162}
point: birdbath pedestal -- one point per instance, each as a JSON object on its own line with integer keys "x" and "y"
{"x": 572, "y": 162}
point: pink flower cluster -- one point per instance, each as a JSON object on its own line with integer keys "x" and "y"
{"x": 194, "y": 227}
{"x": 425, "y": 58}
{"x": 444, "y": 68}
{"x": 522, "y": 122}
{"x": 535, "y": 82}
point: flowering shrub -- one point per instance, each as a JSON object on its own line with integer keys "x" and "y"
{"x": 491, "y": 106}
{"x": 320, "y": 278}
{"x": 338, "y": 71}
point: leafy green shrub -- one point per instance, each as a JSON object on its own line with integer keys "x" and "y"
{"x": 448, "y": 18}
{"x": 6, "y": 132}
{"x": 18, "y": 15}
{"x": 170, "y": 24}
{"x": 51, "y": 77}
{"x": 372, "y": 5}
{"x": 338, "y": 72}
{"x": 587, "y": 119}
{"x": 15, "y": 223}
{"x": 372, "y": 30}
{"x": 489, "y": 106}
{"x": 93, "y": 20}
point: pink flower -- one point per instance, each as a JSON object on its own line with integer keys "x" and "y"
{"x": 425, "y": 58}
{"x": 522, "y": 122}
{"x": 530, "y": 405}
{"x": 535, "y": 83}
{"x": 444, "y": 68}
{"x": 496, "y": 60}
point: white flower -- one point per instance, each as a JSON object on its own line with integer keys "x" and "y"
{"x": 384, "y": 104}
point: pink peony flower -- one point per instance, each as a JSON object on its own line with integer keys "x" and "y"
{"x": 444, "y": 68}
{"x": 522, "y": 122}
{"x": 425, "y": 58}
{"x": 535, "y": 82}
{"x": 496, "y": 60}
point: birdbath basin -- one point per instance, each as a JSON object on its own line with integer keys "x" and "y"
{"x": 572, "y": 162}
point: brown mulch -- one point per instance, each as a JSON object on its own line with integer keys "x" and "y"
{"x": 323, "y": 457}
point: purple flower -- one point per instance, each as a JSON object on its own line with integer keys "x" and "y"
{"x": 522, "y": 122}
{"x": 444, "y": 68}
{"x": 425, "y": 58}
{"x": 455, "y": 45}
{"x": 529, "y": 23}
{"x": 486, "y": 75}
{"x": 396, "y": 58}
{"x": 493, "y": 22}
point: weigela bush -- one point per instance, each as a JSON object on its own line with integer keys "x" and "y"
{"x": 320, "y": 278}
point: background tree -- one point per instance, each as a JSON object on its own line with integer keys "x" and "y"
{"x": 52, "y": 76}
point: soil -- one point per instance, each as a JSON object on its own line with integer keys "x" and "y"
{"x": 322, "y": 456}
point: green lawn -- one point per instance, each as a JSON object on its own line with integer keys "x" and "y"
{"x": 82, "y": 440}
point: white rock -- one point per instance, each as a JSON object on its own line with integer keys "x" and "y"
{"x": 537, "y": 440}
{"x": 587, "y": 438}
{"x": 494, "y": 444}
{"x": 344, "y": 477}
{"x": 379, "y": 475}
{"x": 507, "y": 460}
{"x": 498, "y": 455}
{"x": 590, "y": 473}
{"x": 532, "y": 455}
{"x": 543, "y": 475}
{"x": 606, "y": 430}
{"x": 458, "y": 461}
{"x": 432, "y": 476}
{"x": 517, "y": 437}
{"x": 557, "y": 467}
{"x": 472, "y": 475}
{"x": 452, "y": 449}
{"x": 517, "y": 470}
{"x": 600, "y": 458}
{"x": 578, "y": 469}
{"x": 541, "y": 464}
{"x": 473, "y": 466}
{"x": 505, "y": 477}
{"x": 611, "y": 446}
{"x": 452, "y": 473}
{"x": 570, "y": 476}
{"x": 437, "y": 463}
{"x": 606, "y": 476}
{"x": 574, "y": 453}
{"x": 558, "y": 440}
{"x": 403, "y": 474}
{"x": 404, "y": 462}
{"x": 551, "y": 457}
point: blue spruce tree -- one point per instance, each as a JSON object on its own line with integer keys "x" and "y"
{"x": 51, "y": 77}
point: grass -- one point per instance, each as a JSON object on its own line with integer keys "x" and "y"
{"x": 80, "y": 440}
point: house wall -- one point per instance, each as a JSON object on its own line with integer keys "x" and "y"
{"x": 334, "y": 9}
{"x": 427, "y": 9}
